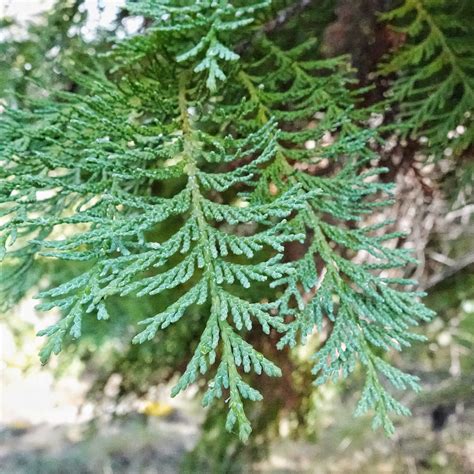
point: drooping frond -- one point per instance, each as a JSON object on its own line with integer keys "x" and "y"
{"x": 172, "y": 179}
{"x": 80, "y": 188}
{"x": 320, "y": 127}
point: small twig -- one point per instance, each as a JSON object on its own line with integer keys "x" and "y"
{"x": 280, "y": 19}
{"x": 462, "y": 212}
{"x": 459, "y": 265}
{"x": 284, "y": 15}
{"x": 438, "y": 257}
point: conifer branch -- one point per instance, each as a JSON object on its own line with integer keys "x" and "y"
{"x": 185, "y": 192}
{"x": 435, "y": 85}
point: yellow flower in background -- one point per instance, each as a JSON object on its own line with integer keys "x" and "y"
{"x": 157, "y": 409}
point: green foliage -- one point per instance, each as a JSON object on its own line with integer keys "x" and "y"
{"x": 434, "y": 90}
{"x": 29, "y": 56}
{"x": 173, "y": 180}
{"x": 205, "y": 27}
{"x": 368, "y": 312}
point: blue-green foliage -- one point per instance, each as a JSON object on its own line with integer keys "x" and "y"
{"x": 208, "y": 30}
{"x": 162, "y": 180}
{"x": 367, "y": 311}
{"x": 434, "y": 87}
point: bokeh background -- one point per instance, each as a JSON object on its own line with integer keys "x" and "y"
{"x": 105, "y": 407}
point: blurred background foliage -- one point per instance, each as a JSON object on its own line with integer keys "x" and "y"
{"x": 127, "y": 423}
